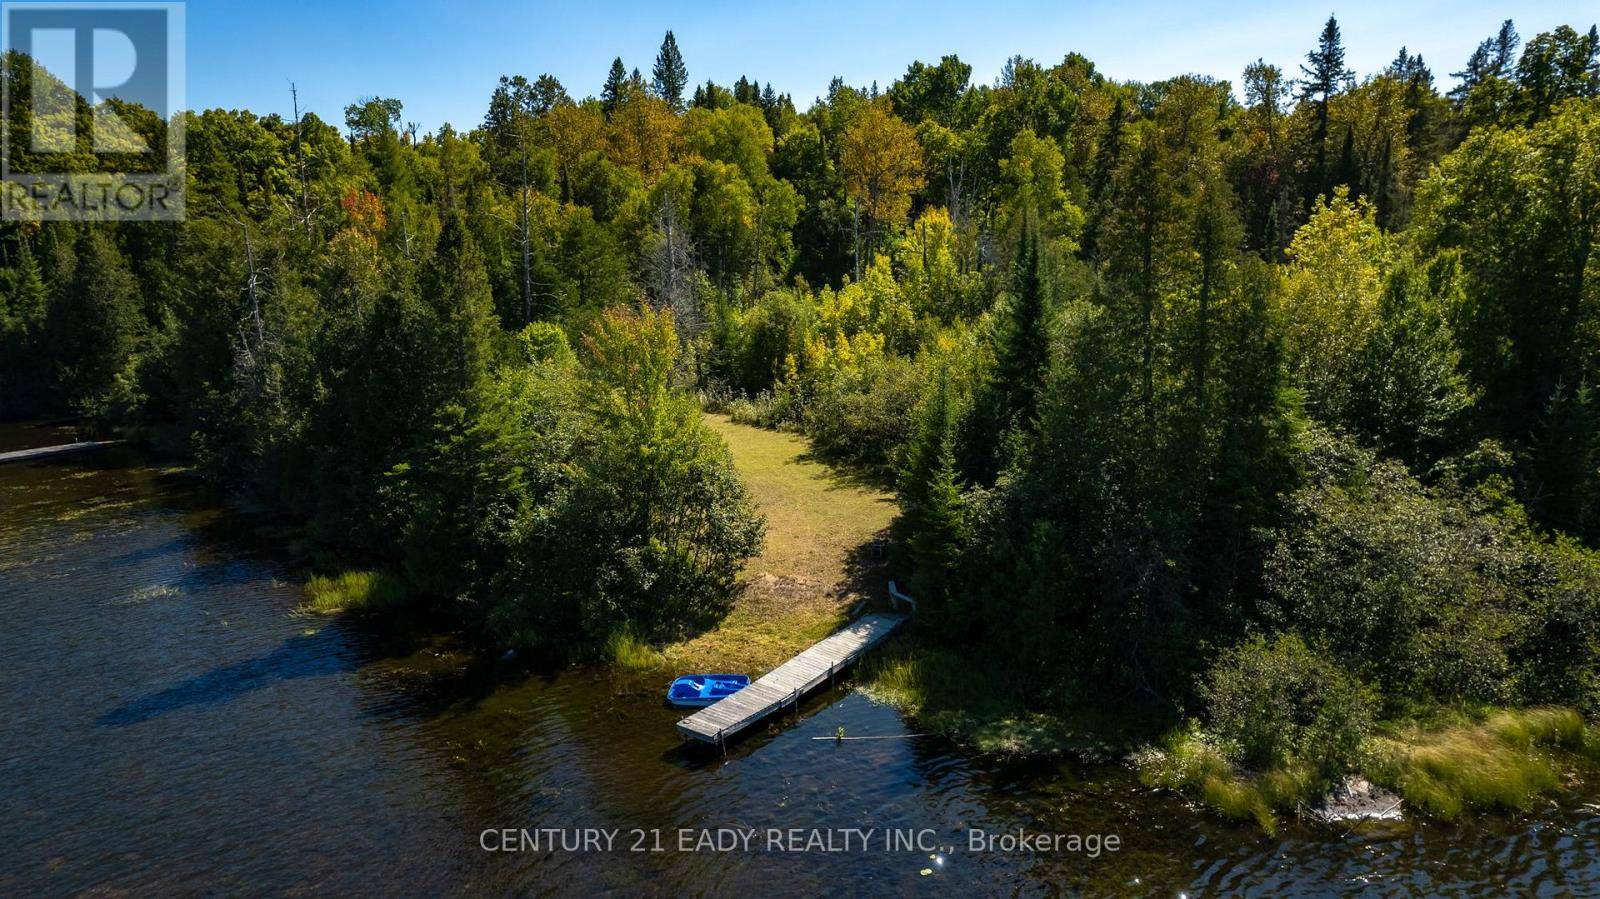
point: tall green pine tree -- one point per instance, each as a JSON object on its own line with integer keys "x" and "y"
{"x": 670, "y": 75}
{"x": 930, "y": 526}
{"x": 1324, "y": 78}
{"x": 615, "y": 91}
{"x": 1024, "y": 349}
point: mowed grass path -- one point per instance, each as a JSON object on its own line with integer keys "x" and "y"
{"x": 821, "y": 524}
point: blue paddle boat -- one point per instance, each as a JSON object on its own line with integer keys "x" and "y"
{"x": 694, "y": 691}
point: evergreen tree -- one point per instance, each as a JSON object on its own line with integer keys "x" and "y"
{"x": 1325, "y": 76}
{"x": 1410, "y": 398}
{"x": 930, "y": 523}
{"x": 23, "y": 311}
{"x": 1023, "y": 350}
{"x": 97, "y": 324}
{"x": 1107, "y": 157}
{"x": 28, "y": 298}
{"x": 615, "y": 91}
{"x": 1266, "y": 193}
{"x": 457, "y": 286}
{"x": 1485, "y": 86}
{"x": 747, "y": 91}
{"x": 1347, "y": 172}
{"x": 1504, "y": 49}
{"x": 671, "y": 77}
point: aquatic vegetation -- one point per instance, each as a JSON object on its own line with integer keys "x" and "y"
{"x": 352, "y": 591}
{"x": 624, "y": 649}
{"x": 975, "y": 706}
{"x": 1506, "y": 761}
{"x": 1501, "y": 760}
{"x": 1197, "y": 764}
{"x": 160, "y": 591}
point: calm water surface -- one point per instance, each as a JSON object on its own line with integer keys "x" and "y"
{"x": 171, "y": 725}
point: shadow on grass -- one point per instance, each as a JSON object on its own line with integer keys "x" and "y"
{"x": 866, "y": 572}
{"x": 845, "y": 473}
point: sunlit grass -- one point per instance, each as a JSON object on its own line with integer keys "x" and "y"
{"x": 817, "y": 516}
{"x": 626, "y": 651}
{"x": 758, "y": 635}
{"x": 1505, "y": 762}
{"x": 1497, "y": 760}
{"x": 1190, "y": 763}
{"x": 352, "y": 591}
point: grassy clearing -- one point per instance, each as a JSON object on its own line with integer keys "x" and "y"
{"x": 801, "y": 586}
{"x": 817, "y": 515}
{"x": 352, "y": 591}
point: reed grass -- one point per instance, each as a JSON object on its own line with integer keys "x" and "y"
{"x": 626, "y": 651}
{"x": 1505, "y": 761}
{"x": 352, "y": 591}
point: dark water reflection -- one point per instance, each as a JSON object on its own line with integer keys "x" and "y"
{"x": 170, "y": 725}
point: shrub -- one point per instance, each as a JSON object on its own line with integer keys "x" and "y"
{"x": 1281, "y": 702}
{"x": 762, "y": 411}
{"x": 653, "y": 526}
{"x": 770, "y": 334}
{"x": 1441, "y": 593}
{"x": 717, "y": 397}
{"x": 865, "y": 416}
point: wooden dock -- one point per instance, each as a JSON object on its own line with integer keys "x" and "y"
{"x": 787, "y": 684}
{"x": 42, "y": 452}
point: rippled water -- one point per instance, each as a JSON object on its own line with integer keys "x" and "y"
{"x": 171, "y": 725}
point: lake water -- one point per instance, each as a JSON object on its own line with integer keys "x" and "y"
{"x": 171, "y": 725}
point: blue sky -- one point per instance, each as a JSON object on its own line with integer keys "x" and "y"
{"x": 442, "y": 58}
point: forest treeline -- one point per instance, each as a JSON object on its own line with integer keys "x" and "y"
{"x": 1303, "y": 365}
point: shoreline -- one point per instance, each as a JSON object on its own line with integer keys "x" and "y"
{"x": 779, "y": 614}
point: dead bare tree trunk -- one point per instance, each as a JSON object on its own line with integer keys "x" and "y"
{"x": 524, "y": 215}
{"x": 252, "y": 284}
{"x": 300, "y": 162}
{"x": 672, "y": 271}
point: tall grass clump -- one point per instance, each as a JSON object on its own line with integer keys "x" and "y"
{"x": 627, "y": 651}
{"x": 353, "y": 591}
{"x": 1503, "y": 762}
{"x": 935, "y": 686}
{"x": 765, "y": 410}
{"x": 1193, "y": 763}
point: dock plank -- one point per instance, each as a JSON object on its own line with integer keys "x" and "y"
{"x": 785, "y": 685}
{"x": 42, "y": 452}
